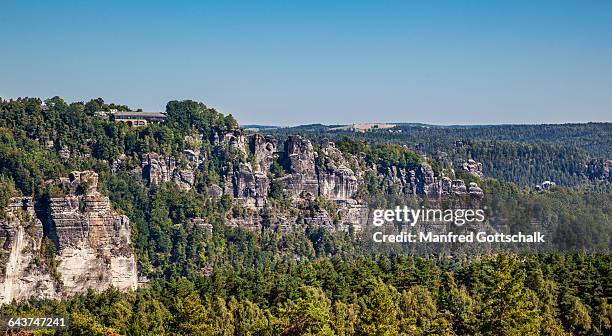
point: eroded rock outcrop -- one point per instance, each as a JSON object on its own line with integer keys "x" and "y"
{"x": 264, "y": 149}
{"x": 474, "y": 168}
{"x": 426, "y": 181}
{"x": 353, "y": 215}
{"x": 247, "y": 186}
{"x": 299, "y": 160}
{"x": 234, "y": 138}
{"x": 336, "y": 180}
{"x": 326, "y": 173}
{"x": 24, "y": 274}
{"x": 475, "y": 190}
{"x": 91, "y": 239}
{"x": 319, "y": 218}
{"x": 157, "y": 169}
{"x": 546, "y": 186}
{"x": 303, "y": 172}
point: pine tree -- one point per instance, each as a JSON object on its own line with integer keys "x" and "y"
{"x": 508, "y": 308}
{"x": 308, "y": 315}
{"x": 417, "y": 308}
{"x": 346, "y": 318}
{"x": 459, "y": 304}
{"x": 378, "y": 311}
{"x": 249, "y": 319}
{"x": 576, "y": 314}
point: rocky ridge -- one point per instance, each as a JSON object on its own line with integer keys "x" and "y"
{"x": 326, "y": 173}
{"x": 92, "y": 241}
{"x": 307, "y": 173}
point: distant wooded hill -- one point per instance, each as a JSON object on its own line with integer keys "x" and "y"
{"x": 568, "y": 154}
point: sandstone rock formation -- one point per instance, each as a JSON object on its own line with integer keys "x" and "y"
{"x": 157, "y": 169}
{"x": 474, "y": 168}
{"x": 327, "y": 173}
{"x": 546, "y": 186}
{"x": 91, "y": 239}
{"x": 319, "y": 218}
{"x": 299, "y": 159}
{"x": 309, "y": 173}
{"x": 248, "y": 186}
{"x": 336, "y": 180}
{"x": 23, "y": 275}
{"x": 425, "y": 181}
{"x": 215, "y": 191}
{"x": 475, "y": 190}
{"x": 264, "y": 150}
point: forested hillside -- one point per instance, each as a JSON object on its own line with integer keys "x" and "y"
{"x": 567, "y": 154}
{"x": 396, "y": 295}
{"x": 249, "y": 234}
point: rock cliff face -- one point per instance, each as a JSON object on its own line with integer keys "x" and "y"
{"x": 264, "y": 149}
{"x": 246, "y": 185}
{"x": 157, "y": 169}
{"x": 307, "y": 173}
{"x": 474, "y": 168}
{"x": 299, "y": 161}
{"x": 92, "y": 243}
{"x": 327, "y": 173}
{"x": 23, "y": 275}
{"x": 336, "y": 180}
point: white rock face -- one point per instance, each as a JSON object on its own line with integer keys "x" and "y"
{"x": 92, "y": 241}
{"x": 338, "y": 183}
{"x": 157, "y": 169}
{"x": 356, "y": 217}
{"x": 124, "y": 272}
{"x": 83, "y": 267}
{"x": 23, "y": 275}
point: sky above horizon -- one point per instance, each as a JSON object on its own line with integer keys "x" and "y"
{"x": 330, "y": 62}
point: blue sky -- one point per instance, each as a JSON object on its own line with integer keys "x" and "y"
{"x": 299, "y": 62}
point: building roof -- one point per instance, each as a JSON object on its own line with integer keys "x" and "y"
{"x": 143, "y": 115}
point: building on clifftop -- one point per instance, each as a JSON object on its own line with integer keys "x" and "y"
{"x": 138, "y": 118}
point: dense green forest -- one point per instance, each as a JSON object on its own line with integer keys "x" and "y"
{"x": 395, "y": 295}
{"x": 310, "y": 281}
